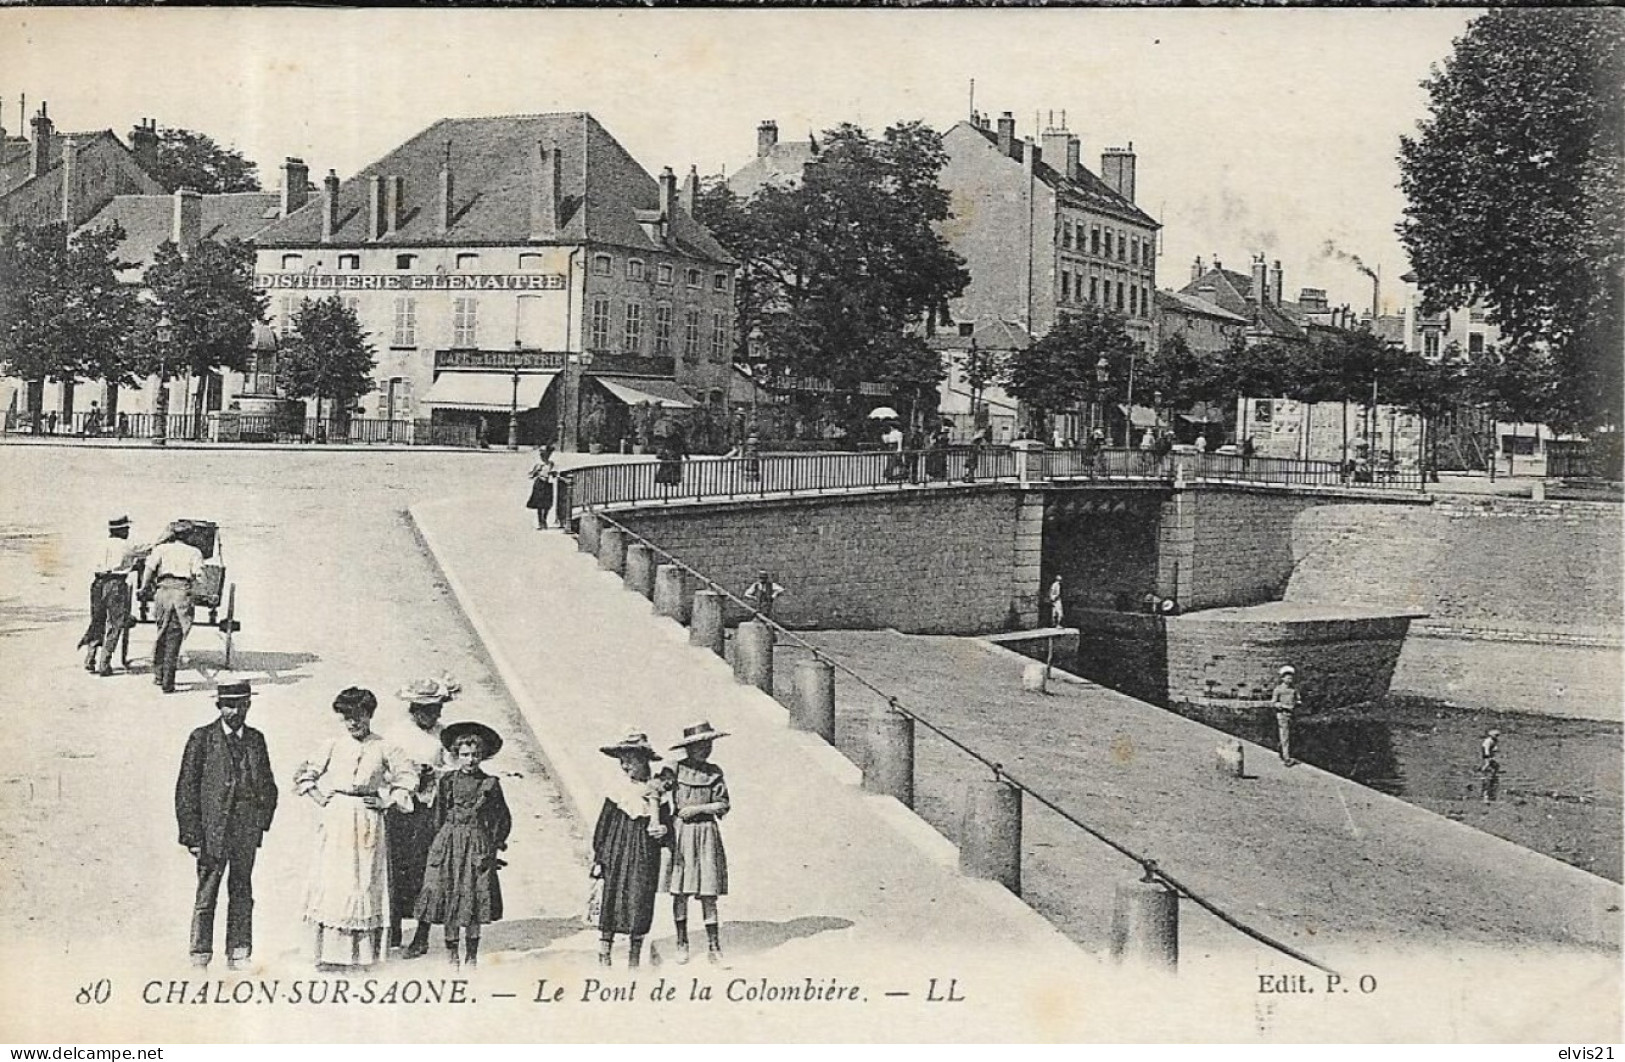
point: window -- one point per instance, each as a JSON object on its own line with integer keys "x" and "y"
{"x": 530, "y": 262}
{"x": 1066, "y": 235}
{"x": 351, "y": 303}
{"x": 406, "y": 323}
{"x": 1145, "y": 300}
{"x": 663, "y": 273}
{"x": 1430, "y": 345}
{"x": 634, "y": 269}
{"x": 600, "y": 325}
{"x": 719, "y": 283}
{"x": 468, "y": 262}
{"x": 1475, "y": 344}
{"x": 691, "y": 335}
{"x": 1120, "y": 287}
{"x": 1122, "y": 247}
{"x": 350, "y": 261}
{"x": 967, "y": 328}
{"x": 1475, "y": 315}
{"x": 601, "y": 265}
{"x": 406, "y": 261}
{"x": 663, "y": 321}
{"x": 1094, "y": 289}
{"x": 1066, "y": 286}
{"x": 1105, "y": 293}
{"x": 1094, "y": 240}
{"x": 693, "y": 278}
{"x": 290, "y": 307}
{"x": 719, "y": 337}
{"x": 1134, "y": 302}
{"x": 1148, "y": 253}
{"x": 465, "y": 322}
{"x": 1134, "y": 251}
{"x": 632, "y": 334}
{"x": 292, "y": 261}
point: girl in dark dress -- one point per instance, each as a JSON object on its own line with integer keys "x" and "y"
{"x": 460, "y": 887}
{"x": 626, "y": 846}
{"x": 542, "y": 477}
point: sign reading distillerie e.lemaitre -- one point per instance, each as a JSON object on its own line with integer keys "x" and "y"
{"x": 412, "y": 281}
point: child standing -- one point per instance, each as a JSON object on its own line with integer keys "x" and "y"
{"x": 626, "y": 846}
{"x": 699, "y": 866}
{"x": 460, "y": 887}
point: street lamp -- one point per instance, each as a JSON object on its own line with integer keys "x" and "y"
{"x": 164, "y": 333}
{"x": 513, "y": 410}
{"x": 1103, "y": 377}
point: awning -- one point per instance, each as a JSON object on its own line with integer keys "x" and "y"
{"x": 1139, "y": 416}
{"x": 487, "y": 390}
{"x": 663, "y": 393}
{"x": 1204, "y": 413}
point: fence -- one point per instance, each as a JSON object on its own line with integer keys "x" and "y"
{"x": 598, "y": 486}
{"x": 1151, "y": 871}
{"x": 246, "y": 428}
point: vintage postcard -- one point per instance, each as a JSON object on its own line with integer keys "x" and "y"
{"x": 810, "y": 525}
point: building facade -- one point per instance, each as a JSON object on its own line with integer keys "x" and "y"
{"x": 522, "y": 267}
{"x": 55, "y": 177}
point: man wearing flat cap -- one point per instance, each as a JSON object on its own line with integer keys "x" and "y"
{"x": 224, "y": 800}
{"x": 172, "y": 567}
{"x": 110, "y": 598}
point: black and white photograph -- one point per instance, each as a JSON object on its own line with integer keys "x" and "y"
{"x": 810, "y": 525}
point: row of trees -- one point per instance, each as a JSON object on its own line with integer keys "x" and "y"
{"x": 65, "y": 315}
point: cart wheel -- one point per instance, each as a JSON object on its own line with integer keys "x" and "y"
{"x": 229, "y": 624}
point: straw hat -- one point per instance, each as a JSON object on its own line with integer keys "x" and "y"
{"x": 633, "y": 742}
{"x": 118, "y": 523}
{"x": 429, "y": 690}
{"x": 232, "y": 691}
{"x": 693, "y": 735}
{"x": 456, "y": 732}
{"x": 1288, "y": 669}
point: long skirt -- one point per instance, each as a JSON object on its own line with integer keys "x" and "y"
{"x": 410, "y": 833}
{"x": 347, "y": 896}
{"x": 630, "y": 859}
{"x": 460, "y": 886}
{"x": 541, "y": 495}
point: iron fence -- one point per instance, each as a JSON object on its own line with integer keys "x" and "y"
{"x": 245, "y": 428}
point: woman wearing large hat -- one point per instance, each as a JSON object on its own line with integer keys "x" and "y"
{"x": 626, "y": 844}
{"x": 699, "y": 866}
{"x": 411, "y": 830}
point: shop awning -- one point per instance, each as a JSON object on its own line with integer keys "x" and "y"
{"x": 487, "y": 390}
{"x": 1139, "y": 416}
{"x": 663, "y": 393}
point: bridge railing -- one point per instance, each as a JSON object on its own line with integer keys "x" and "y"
{"x": 720, "y": 479}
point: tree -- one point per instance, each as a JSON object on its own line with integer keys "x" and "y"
{"x": 1061, "y": 370}
{"x": 193, "y": 160}
{"x": 209, "y": 300}
{"x": 63, "y": 313}
{"x": 327, "y": 357}
{"x": 1516, "y": 189}
{"x": 1516, "y": 383}
{"x": 982, "y": 367}
{"x": 1176, "y": 373}
{"x": 730, "y": 220}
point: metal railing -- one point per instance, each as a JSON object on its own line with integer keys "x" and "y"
{"x": 619, "y": 485}
{"x": 245, "y": 428}
{"x": 1150, "y": 868}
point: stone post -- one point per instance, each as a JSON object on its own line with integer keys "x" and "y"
{"x": 587, "y": 532}
{"x": 640, "y": 569}
{"x": 612, "y": 550}
{"x": 753, "y": 655}
{"x": 705, "y": 625}
{"x": 813, "y": 706}
{"x": 671, "y": 592}
{"x": 990, "y": 834}
{"x": 1145, "y": 924}
{"x": 890, "y": 766}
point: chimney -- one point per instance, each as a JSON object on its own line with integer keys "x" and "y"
{"x": 69, "y": 192}
{"x": 295, "y": 184}
{"x": 144, "y": 143}
{"x": 1074, "y": 160}
{"x": 1196, "y": 269}
{"x": 394, "y": 203}
{"x": 187, "y": 227}
{"x": 1032, "y": 154}
{"x": 1007, "y": 134}
{"x": 1117, "y": 170}
{"x": 767, "y": 135}
{"x": 375, "y": 207}
{"x": 41, "y": 154}
{"x": 1260, "y": 289}
{"x": 1275, "y": 282}
{"x": 445, "y": 191}
{"x": 668, "y": 201}
{"x": 1056, "y": 142}
{"x": 330, "y": 206}
{"x": 691, "y": 190}
{"x": 544, "y": 193}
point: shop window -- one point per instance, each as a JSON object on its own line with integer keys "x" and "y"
{"x": 406, "y": 261}
{"x": 530, "y": 262}
{"x": 468, "y": 262}
{"x": 691, "y": 335}
{"x": 602, "y": 264}
{"x": 663, "y": 273}
{"x": 663, "y": 323}
{"x": 292, "y": 262}
{"x": 406, "y": 322}
{"x": 600, "y": 325}
{"x": 465, "y": 322}
{"x": 634, "y": 269}
{"x": 350, "y": 262}
{"x": 632, "y": 334}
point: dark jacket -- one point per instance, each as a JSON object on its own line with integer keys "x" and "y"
{"x": 208, "y": 794}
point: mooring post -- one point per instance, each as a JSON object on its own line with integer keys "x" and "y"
{"x": 1145, "y": 923}
{"x": 671, "y": 592}
{"x": 612, "y": 550}
{"x": 705, "y": 624}
{"x": 753, "y": 655}
{"x": 813, "y": 706}
{"x": 640, "y": 569}
{"x": 587, "y": 532}
{"x": 990, "y": 833}
{"x": 890, "y": 766}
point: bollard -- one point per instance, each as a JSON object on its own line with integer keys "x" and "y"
{"x": 890, "y": 766}
{"x": 1035, "y": 678}
{"x": 671, "y": 592}
{"x": 1145, "y": 924}
{"x": 813, "y": 706}
{"x": 705, "y": 625}
{"x": 640, "y": 569}
{"x": 587, "y": 532}
{"x": 753, "y": 655}
{"x": 1231, "y": 759}
{"x": 612, "y": 550}
{"x": 1537, "y": 490}
{"x": 990, "y": 833}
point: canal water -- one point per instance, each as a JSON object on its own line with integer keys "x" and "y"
{"x": 1560, "y": 784}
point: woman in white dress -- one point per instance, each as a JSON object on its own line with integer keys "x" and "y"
{"x": 353, "y": 778}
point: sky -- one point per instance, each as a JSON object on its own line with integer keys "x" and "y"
{"x": 1261, "y": 130}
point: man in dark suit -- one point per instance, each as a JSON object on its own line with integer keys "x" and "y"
{"x": 224, "y": 800}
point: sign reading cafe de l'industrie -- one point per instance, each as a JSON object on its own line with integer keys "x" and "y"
{"x": 413, "y": 281}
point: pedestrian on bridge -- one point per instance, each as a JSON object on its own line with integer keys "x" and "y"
{"x": 699, "y": 865}
{"x": 763, "y": 593}
{"x": 460, "y": 887}
{"x": 110, "y": 598}
{"x": 1489, "y": 766}
{"x": 1057, "y": 607}
{"x": 543, "y": 479}
{"x": 626, "y": 846}
{"x": 412, "y": 829}
{"x": 1285, "y": 699}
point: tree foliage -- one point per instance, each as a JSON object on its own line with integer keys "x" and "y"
{"x": 1516, "y": 189}
{"x": 1062, "y": 369}
{"x": 327, "y": 356}
{"x": 208, "y": 298}
{"x": 63, "y": 313}
{"x": 193, "y": 160}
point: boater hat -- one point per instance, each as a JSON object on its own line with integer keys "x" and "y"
{"x": 632, "y": 742}
{"x": 456, "y": 732}
{"x": 429, "y": 690}
{"x": 232, "y": 691}
{"x": 693, "y": 735}
{"x": 118, "y": 523}
{"x": 1288, "y": 669}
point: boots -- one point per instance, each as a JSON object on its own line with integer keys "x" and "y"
{"x": 713, "y": 943}
{"x": 471, "y": 948}
{"x": 604, "y": 944}
{"x": 634, "y": 953}
{"x": 420, "y": 943}
{"x": 682, "y": 943}
{"x": 453, "y": 955}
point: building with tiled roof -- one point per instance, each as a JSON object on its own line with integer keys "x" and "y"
{"x": 1206, "y": 327}
{"x": 776, "y": 163}
{"x": 525, "y": 260}
{"x": 183, "y": 218}
{"x": 54, "y": 177}
{"x": 1255, "y": 296}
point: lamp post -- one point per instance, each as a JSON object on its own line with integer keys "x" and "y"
{"x": 164, "y": 333}
{"x": 513, "y": 409}
{"x": 1103, "y": 378}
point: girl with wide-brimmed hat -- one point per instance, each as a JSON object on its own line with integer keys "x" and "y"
{"x": 699, "y": 866}
{"x": 472, "y": 822}
{"x": 626, "y": 845}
